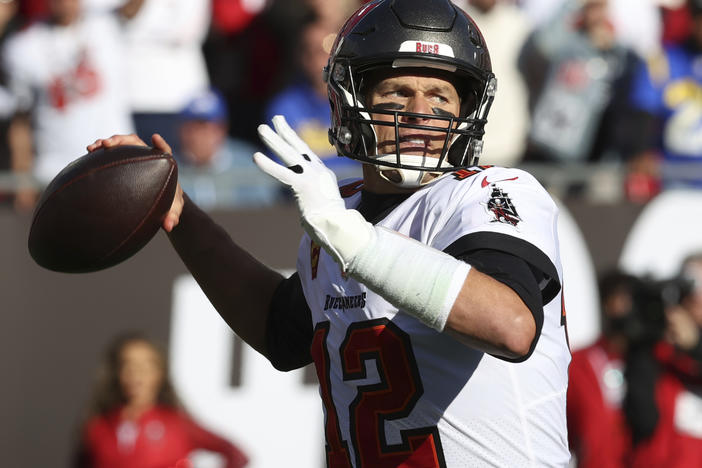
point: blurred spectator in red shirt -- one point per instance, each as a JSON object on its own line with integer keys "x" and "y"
{"x": 677, "y": 23}
{"x": 633, "y": 396}
{"x": 136, "y": 420}
{"x": 664, "y": 402}
{"x": 232, "y": 16}
{"x": 33, "y": 9}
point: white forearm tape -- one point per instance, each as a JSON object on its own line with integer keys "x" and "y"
{"x": 415, "y": 278}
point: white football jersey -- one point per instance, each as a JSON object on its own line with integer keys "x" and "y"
{"x": 398, "y": 393}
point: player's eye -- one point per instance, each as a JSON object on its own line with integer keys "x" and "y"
{"x": 396, "y": 94}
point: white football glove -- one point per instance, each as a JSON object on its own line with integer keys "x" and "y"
{"x": 341, "y": 232}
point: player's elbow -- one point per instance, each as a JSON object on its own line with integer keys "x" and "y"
{"x": 519, "y": 336}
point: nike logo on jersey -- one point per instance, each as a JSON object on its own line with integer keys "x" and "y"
{"x": 485, "y": 182}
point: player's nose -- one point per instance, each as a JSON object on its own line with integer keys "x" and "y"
{"x": 418, "y": 105}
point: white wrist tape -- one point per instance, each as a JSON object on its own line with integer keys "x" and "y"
{"x": 417, "y": 279}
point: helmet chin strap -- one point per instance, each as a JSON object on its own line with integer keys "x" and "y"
{"x": 407, "y": 178}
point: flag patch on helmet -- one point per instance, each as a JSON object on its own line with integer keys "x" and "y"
{"x": 423, "y": 47}
{"x": 502, "y": 208}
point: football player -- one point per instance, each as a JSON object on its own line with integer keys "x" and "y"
{"x": 427, "y": 294}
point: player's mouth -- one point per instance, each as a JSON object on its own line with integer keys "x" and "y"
{"x": 416, "y": 144}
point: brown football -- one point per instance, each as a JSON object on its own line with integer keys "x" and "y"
{"x": 102, "y": 208}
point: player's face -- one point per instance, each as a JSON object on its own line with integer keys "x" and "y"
{"x": 141, "y": 373}
{"x": 417, "y": 94}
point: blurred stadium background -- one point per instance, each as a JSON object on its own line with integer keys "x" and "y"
{"x": 617, "y": 211}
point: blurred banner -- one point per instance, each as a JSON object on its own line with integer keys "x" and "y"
{"x": 55, "y": 327}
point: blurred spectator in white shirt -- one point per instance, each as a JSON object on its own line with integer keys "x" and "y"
{"x": 579, "y": 78}
{"x": 637, "y": 23}
{"x": 67, "y": 75}
{"x": 505, "y": 28}
{"x": 165, "y": 63}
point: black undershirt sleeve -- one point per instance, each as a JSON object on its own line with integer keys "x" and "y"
{"x": 289, "y": 326}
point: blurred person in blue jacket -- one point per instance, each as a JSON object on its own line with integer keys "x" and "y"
{"x": 668, "y": 93}
{"x": 215, "y": 170}
{"x": 305, "y": 103}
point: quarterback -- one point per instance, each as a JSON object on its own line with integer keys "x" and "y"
{"x": 428, "y": 293}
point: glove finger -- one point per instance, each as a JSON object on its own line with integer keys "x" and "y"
{"x": 289, "y": 155}
{"x": 273, "y": 169}
{"x": 291, "y": 137}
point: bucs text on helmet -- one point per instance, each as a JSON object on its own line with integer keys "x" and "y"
{"x": 418, "y": 36}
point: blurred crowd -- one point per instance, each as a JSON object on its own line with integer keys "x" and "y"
{"x": 634, "y": 396}
{"x": 582, "y": 84}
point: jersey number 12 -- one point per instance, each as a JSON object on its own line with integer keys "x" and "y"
{"x": 393, "y": 397}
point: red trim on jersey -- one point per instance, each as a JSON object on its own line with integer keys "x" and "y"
{"x": 314, "y": 258}
{"x": 463, "y": 174}
{"x": 351, "y": 189}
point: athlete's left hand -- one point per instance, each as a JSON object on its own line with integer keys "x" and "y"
{"x": 343, "y": 233}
